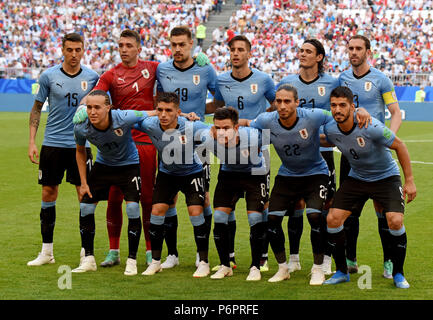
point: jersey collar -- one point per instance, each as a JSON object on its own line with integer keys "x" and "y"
{"x": 70, "y": 75}
{"x": 183, "y": 70}
{"x": 362, "y": 76}
{"x": 291, "y": 127}
{"x": 309, "y": 82}
{"x": 348, "y": 132}
{"x": 242, "y": 79}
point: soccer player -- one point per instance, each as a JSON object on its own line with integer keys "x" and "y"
{"x": 372, "y": 90}
{"x": 191, "y": 82}
{"x": 64, "y": 85}
{"x": 117, "y": 163}
{"x": 250, "y": 92}
{"x": 303, "y": 174}
{"x": 374, "y": 174}
{"x": 243, "y": 172}
{"x": 314, "y": 88}
{"x": 180, "y": 169}
{"x": 131, "y": 86}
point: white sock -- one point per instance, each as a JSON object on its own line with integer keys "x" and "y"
{"x": 327, "y": 259}
{"x": 231, "y": 255}
{"x": 294, "y": 257}
{"x": 47, "y": 248}
{"x": 319, "y": 266}
{"x": 283, "y": 265}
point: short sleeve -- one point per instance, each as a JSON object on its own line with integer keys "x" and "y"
{"x": 43, "y": 88}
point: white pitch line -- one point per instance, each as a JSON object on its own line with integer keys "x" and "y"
{"x": 416, "y": 141}
{"x": 421, "y": 162}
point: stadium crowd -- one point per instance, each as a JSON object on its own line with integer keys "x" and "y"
{"x": 401, "y": 31}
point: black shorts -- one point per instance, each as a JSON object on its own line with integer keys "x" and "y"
{"x": 353, "y": 194}
{"x": 288, "y": 190}
{"x": 332, "y": 187}
{"x": 232, "y": 186}
{"x": 102, "y": 177}
{"x": 344, "y": 169}
{"x": 167, "y": 186}
{"x": 207, "y": 175}
{"x": 55, "y": 160}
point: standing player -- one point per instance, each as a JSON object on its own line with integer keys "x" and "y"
{"x": 64, "y": 85}
{"x": 131, "y": 86}
{"x": 249, "y": 91}
{"x": 243, "y": 171}
{"x": 191, "y": 82}
{"x": 117, "y": 163}
{"x": 180, "y": 169}
{"x": 374, "y": 174}
{"x": 314, "y": 88}
{"x": 372, "y": 90}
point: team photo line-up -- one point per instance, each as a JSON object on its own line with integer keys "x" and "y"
{"x": 139, "y": 133}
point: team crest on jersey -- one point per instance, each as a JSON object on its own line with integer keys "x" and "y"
{"x": 145, "y": 73}
{"x": 367, "y": 86}
{"x": 245, "y": 153}
{"x": 183, "y": 139}
{"x": 361, "y": 141}
{"x": 303, "y": 133}
{"x": 196, "y": 79}
{"x": 84, "y": 85}
{"x": 321, "y": 91}
{"x": 118, "y": 132}
{"x": 254, "y": 88}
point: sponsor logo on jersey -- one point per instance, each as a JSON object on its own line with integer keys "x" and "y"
{"x": 367, "y": 85}
{"x": 254, "y": 88}
{"x": 303, "y": 133}
{"x": 118, "y": 132}
{"x": 145, "y": 73}
{"x": 183, "y": 139}
{"x": 361, "y": 141}
{"x": 196, "y": 79}
{"x": 84, "y": 85}
{"x": 245, "y": 153}
{"x": 321, "y": 91}
{"x": 121, "y": 79}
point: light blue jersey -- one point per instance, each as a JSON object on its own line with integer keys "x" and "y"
{"x": 64, "y": 93}
{"x": 115, "y": 145}
{"x": 250, "y": 96}
{"x": 176, "y": 147}
{"x": 313, "y": 94}
{"x": 373, "y": 91}
{"x": 246, "y": 156}
{"x": 298, "y": 146}
{"x": 366, "y": 149}
{"x": 191, "y": 85}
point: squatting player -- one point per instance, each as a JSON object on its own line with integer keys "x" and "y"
{"x": 372, "y": 90}
{"x": 64, "y": 85}
{"x": 374, "y": 174}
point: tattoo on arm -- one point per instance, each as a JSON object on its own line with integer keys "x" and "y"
{"x": 35, "y": 114}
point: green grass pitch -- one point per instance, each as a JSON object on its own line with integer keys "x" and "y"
{"x": 21, "y": 241}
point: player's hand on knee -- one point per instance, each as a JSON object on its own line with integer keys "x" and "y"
{"x": 33, "y": 153}
{"x": 80, "y": 115}
{"x": 202, "y": 59}
{"x": 84, "y": 189}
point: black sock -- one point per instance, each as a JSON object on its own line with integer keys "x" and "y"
{"x": 351, "y": 227}
{"x": 134, "y": 233}
{"x": 327, "y": 248}
{"x": 265, "y": 243}
{"x": 87, "y": 231}
{"x": 337, "y": 241}
{"x": 275, "y": 235}
{"x": 316, "y": 236}
{"x": 170, "y": 234}
{"x": 156, "y": 232}
{"x": 208, "y": 223}
{"x": 221, "y": 235}
{"x": 385, "y": 238}
{"x": 256, "y": 243}
{"x": 202, "y": 241}
{"x": 399, "y": 244}
{"x": 48, "y": 221}
{"x": 295, "y": 226}
{"x": 232, "y": 233}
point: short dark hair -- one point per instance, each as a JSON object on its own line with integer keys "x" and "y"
{"x": 319, "y": 50}
{"x": 128, "y": 33}
{"x": 74, "y": 37}
{"x": 342, "y": 92}
{"x": 289, "y": 88}
{"x": 240, "y": 38}
{"x": 168, "y": 97}
{"x": 227, "y": 113}
{"x": 365, "y": 39}
{"x": 181, "y": 31}
{"x": 101, "y": 93}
